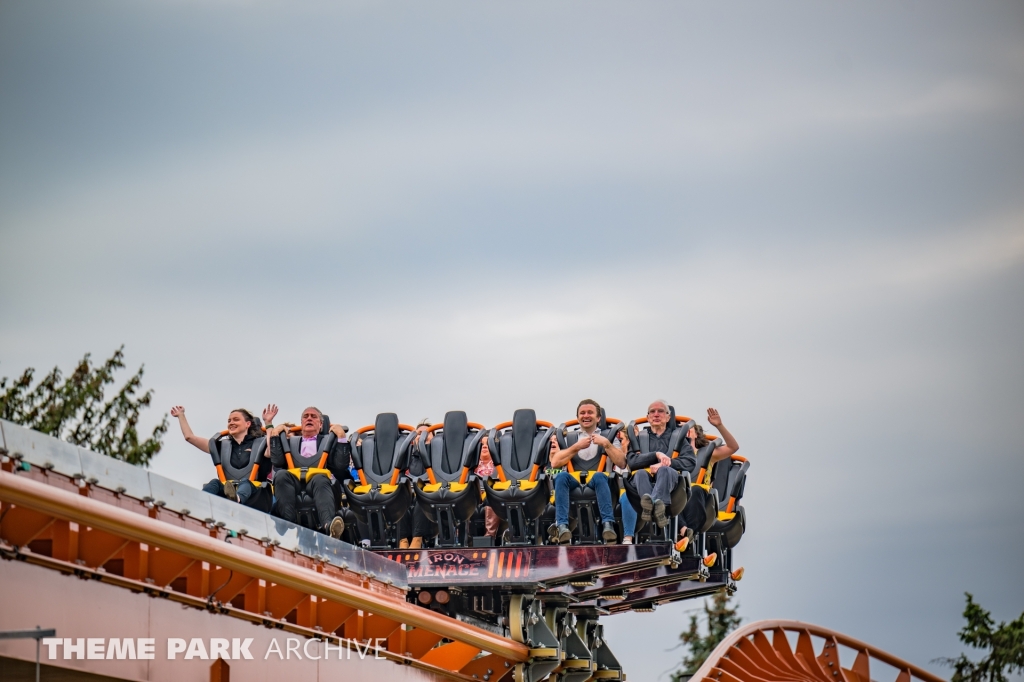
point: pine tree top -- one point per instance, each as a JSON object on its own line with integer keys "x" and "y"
{"x": 1004, "y": 644}
{"x": 721, "y": 617}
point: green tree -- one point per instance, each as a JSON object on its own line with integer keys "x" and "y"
{"x": 722, "y": 618}
{"x": 1005, "y": 645}
{"x": 75, "y": 408}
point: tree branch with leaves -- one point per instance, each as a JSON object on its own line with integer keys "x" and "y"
{"x": 1004, "y": 644}
{"x": 76, "y": 409}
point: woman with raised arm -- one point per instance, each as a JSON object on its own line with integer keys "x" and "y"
{"x": 239, "y": 454}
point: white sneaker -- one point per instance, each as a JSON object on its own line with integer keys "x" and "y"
{"x": 627, "y": 540}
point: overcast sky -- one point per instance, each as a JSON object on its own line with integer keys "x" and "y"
{"x": 810, "y": 216}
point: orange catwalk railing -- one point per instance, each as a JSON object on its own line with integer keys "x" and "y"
{"x": 762, "y": 652}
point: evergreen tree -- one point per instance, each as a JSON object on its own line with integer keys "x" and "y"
{"x": 75, "y": 409}
{"x": 722, "y": 618}
{"x": 1005, "y": 645}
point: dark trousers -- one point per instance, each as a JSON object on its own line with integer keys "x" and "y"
{"x": 565, "y": 484}
{"x": 405, "y": 526}
{"x": 665, "y": 481}
{"x": 287, "y": 488}
{"x": 422, "y": 527}
{"x": 694, "y": 515}
{"x": 255, "y": 497}
{"x": 412, "y": 524}
{"x": 415, "y": 524}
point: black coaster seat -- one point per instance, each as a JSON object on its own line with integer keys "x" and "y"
{"x": 383, "y": 494}
{"x": 448, "y": 491}
{"x": 702, "y": 493}
{"x": 728, "y": 479}
{"x": 519, "y": 489}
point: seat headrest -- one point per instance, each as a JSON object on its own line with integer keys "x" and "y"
{"x": 525, "y": 420}
{"x": 456, "y": 428}
{"x": 385, "y": 437}
{"x": 671, "y": 417}
{"x": 602, "y": 423}
{"x": 524, "y": 426}
{"x": 386, "y": 427}
{"x": 325, "y": 427}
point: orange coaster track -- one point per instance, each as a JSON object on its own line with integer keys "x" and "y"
{"x": 763, "y": 652}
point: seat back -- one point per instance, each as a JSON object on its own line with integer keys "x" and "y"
{"x": 569, "y": 432}
{"x": 381, "y": 451}
{"x": 728, "y": 477}
{"x": 702, "y": 471}
{"x": 520, "y": 447}
{"x": 454, "y": 448}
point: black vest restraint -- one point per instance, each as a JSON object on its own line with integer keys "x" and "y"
{"x": 220, "y": 452}
{"x": 675, "y": 440}
{"x": 594, "y": 463}
{"x": 292, "y": 446}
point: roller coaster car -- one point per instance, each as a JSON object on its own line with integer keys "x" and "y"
{"x": 304, "y": 468}
{"x": 448, "y": 491}
{"x": 728, "y": 479}
{"x": 638, "y": 442}
{"x": 519, "y": 490}
{"x": 583, "y": 500}
{"x": 383, "y": 494}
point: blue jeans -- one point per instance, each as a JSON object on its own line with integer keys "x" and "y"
{"x": 565, "y": 484}
{"x": 628, "y": 515}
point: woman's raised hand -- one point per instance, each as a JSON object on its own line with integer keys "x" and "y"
{"x": 177, "y": 411}
{"x": 714, "y": 418}
{"x": 269, "y": 412}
